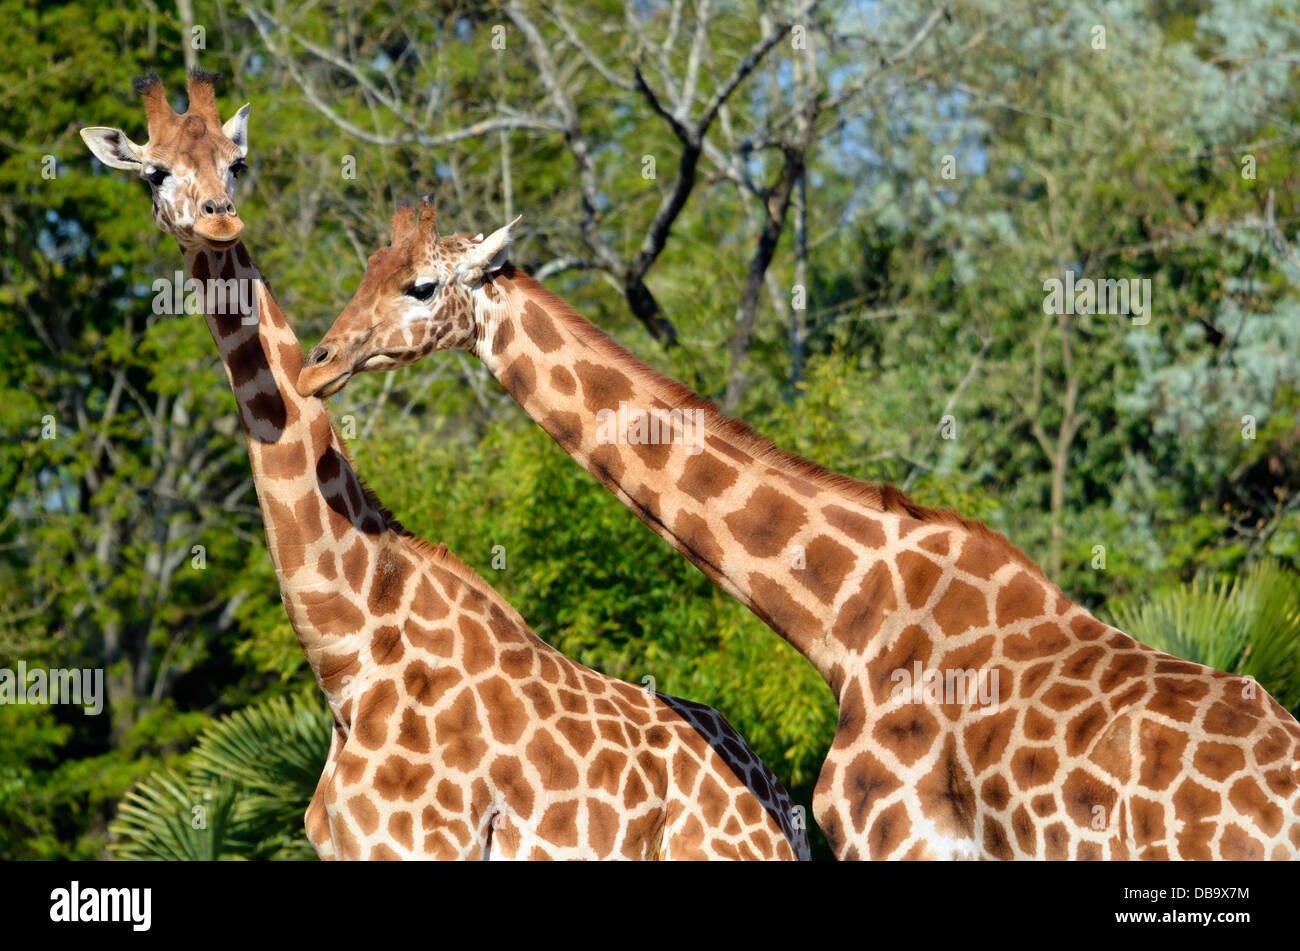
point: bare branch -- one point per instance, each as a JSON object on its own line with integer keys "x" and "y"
{"x": 561, "y": 264}
{"x": 693, "y": 60}
{"x": 573, "y": 136}
{"x": 746, "y": 65}
{"x": 885, "y": 62}
{"x": 418, "y": 136}
{"x": 557, "y": 13}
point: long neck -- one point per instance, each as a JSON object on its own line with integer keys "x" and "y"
{"x": 320, "y": 521}
{"x": 834, "y": 566}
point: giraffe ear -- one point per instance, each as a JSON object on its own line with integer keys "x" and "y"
{"x": 236, "y": 129}
{"x": 487, "y": 254}
{"x": 113, "y": 148}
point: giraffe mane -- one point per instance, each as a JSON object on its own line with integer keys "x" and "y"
{"x": 879, "y": 496}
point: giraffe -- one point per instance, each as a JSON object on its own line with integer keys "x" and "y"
{"x": 981, "y": 712}
{"x": 457, "y": 733}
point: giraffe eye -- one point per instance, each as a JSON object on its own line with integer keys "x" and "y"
{"x": 238, "y": 168}
{"x": 157, "y": 176}
{"x": 422, "y": 291}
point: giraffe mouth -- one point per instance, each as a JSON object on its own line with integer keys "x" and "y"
{"x": 379, "y": 360}
{"x": 331, "y": 387}
{"x": 322, "y": 379}
{"x": 220, "y": 245}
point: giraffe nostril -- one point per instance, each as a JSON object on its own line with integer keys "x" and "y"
{"x": 218, "y": 206}
{"x": 319, "y": 355}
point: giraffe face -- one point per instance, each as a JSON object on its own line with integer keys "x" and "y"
{"x": 190, "y": 162}
{"x": 419, "y": 294}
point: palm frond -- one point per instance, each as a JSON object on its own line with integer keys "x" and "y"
{"x": 253, "y": 772}
{"x": 1249, "y": 626}
{"x": 167, "y": 816}
{"x": 275, "y": 749}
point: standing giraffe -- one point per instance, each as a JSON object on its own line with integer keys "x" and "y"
{"x": 1049, "y": 735}
{"x": 458, "y": 733}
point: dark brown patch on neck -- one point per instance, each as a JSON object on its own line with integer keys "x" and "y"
{"x": 540, "y": 328}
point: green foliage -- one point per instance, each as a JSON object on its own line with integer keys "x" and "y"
{"x": 167, "y": 817}
{"x": 30, "y": 739}
{"x": 274, "y": 754}
{"x": 241, "y": 792}
{"x": 1249, "y": 625}
{"x": 924, "y": 298}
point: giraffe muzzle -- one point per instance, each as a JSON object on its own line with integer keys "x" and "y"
{"x": 218, "y": 223}
{"x": 321, "y": 375}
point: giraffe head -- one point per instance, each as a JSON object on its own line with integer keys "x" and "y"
{"x": 417, "y": 295}
{"x": 190, "y": 161}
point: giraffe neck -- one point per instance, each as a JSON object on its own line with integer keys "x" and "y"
{"x": 814, "y": 555}
{"x": 319, "y": 519}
